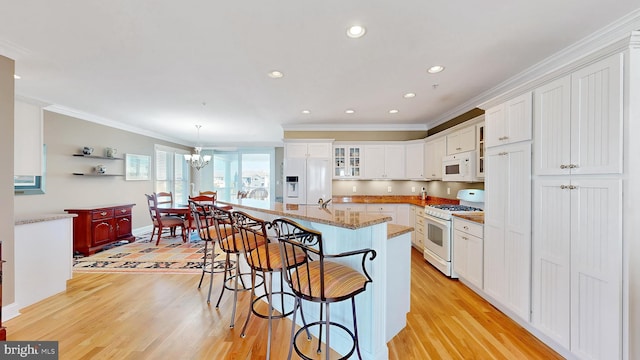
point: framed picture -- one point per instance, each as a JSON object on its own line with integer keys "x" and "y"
{"x": 137, "y": 167}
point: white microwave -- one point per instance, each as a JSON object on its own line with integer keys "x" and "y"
{"x": 459, "y": 167}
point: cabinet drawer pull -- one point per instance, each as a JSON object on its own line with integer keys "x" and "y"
{"x": 503, "y": 138}
{"x": 458, "y": 148}
{"x": 104, "y": 213}
{"x": 572, "y": 166}
{"x": 465, "y": 227}
{"x": 502, "y": 153}
{"x": 123, "y": 211}
{"x": 465, "y": 238}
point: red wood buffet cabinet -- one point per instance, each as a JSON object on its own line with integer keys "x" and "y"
{"x": 97, "y": 227}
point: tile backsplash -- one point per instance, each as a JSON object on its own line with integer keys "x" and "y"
{"x": 381, "y": 187}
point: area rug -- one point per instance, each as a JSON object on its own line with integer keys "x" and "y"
{"x": 170, "y": 256}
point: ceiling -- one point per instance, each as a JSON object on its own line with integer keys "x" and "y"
{"x": 159, "y": 67}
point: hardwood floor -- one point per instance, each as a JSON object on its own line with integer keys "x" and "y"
{"x": 149, "y": 316}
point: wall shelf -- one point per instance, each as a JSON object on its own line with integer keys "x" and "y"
{"x": 97, "y": 175}
{"x": 98, "y": 157}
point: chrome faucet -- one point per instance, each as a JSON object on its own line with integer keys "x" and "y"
{"x": 323, "y": 204}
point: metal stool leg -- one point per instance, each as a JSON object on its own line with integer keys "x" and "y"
{"x": 328, "y": 346}
{"x": 235, "y": 291}
{"x": 253, "y": 294}
{"x": 224, "y": 280}
{"x": 355, "y": 327}
{"x": 270, "y": 300}
{"x": 293, "y": 327}
{"x": 204, "y": 262}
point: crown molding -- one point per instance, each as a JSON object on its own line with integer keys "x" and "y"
{"x": 611, "y": 38}
{"x": 114, "y": 124}
{"x": 355, "y": 127}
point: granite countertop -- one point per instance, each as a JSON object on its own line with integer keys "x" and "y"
{"x": 392, "y": 199}
{"x": 475, "y": 217}
{"x": 330, "y": 216}
{"x": 394, "y": 230}
{"x": 36, "y": 218}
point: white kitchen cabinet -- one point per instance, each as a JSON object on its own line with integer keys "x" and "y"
{"x": 509, "y": 122}
{"x": 507, "y": 227}
{"x": 415, "y": 160}
{"x": 28, "y": 139}
{"x": 419, "y": 226}
{"x": 384, "y": 161}
{"x": 412, "y": 223}
{"x": 435, "y": 150}
{"x": 468, "y": 250}
{"x": 578, "y": 121}
{"x": 347, "y": 161}
{"x": 384, "y": 209}
{"x": 308, "y": 149}
{"x": 480, "y": 145}
{"x": 349, "y": 212}
{"x": 462, "y": 140}
{"x": 577, "y": 264}
{"x": 402, "y": 214}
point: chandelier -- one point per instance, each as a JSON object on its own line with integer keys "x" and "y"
{"x": 196, "y": 160}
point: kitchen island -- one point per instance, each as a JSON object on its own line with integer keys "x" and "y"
{"x": 382, "y": 308}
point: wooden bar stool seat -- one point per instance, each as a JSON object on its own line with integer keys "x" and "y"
{"x": 322, "y": 279}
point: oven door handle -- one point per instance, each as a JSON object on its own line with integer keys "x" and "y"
{"x": 436, "y": 220}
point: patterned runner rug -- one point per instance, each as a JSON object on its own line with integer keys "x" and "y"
{"x": 170, "y": 256}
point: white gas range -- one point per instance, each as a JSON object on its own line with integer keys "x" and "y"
{"x": 439, "y": 230}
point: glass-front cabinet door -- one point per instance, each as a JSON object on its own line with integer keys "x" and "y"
{"x": 347, "y": 161}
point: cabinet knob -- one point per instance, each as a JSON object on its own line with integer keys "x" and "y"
{"x": 465, "y": 227}
{"x": 573, "y": 166}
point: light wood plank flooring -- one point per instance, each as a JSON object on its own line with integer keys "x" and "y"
{"x": 149, "y": 316}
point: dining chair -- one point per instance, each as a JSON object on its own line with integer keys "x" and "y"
{"x": 242, "y": 194}
{"x": 210, "y": 193}
{"x": 163, "y": 221}
{"x": 321, "y": 279}
{"x": 258, "y": 193}
{"x": 263, "y": 256}
{"x": 230, "y": 243}
{"x": 164, "y": 197}
{"x": 202, "y": 215}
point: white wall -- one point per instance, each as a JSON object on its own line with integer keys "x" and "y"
{"x": 64, "y": 136}
{"x": 6, "y": 175}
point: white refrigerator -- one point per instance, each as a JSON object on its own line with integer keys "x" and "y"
{"x": 306, "y": 180}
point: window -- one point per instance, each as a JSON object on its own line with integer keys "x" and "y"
{"x": 29, "y": 184}
{"x": 172, "y": 173}
{"x": 248, "y": 170}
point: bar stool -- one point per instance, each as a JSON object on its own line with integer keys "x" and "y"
{"x": 230, "y": 243}
{"x": 264, "y": 256}
{"x": 202, "y": 217}
{"x": 320, "y": 280}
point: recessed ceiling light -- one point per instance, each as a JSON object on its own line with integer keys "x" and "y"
{"x": 16, "y": 77}
{"x": 349, "y": 111}
{"x": 306, "y": 112}
{"x": 275, "y": 74}
{"x": 356, "y": 31}
{"x": 435, "y": 69}
{"x": 409, "y": 95}
{"x": 393, "y": 111}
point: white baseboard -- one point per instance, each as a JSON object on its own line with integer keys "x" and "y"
{"x": 10, "y": 311}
